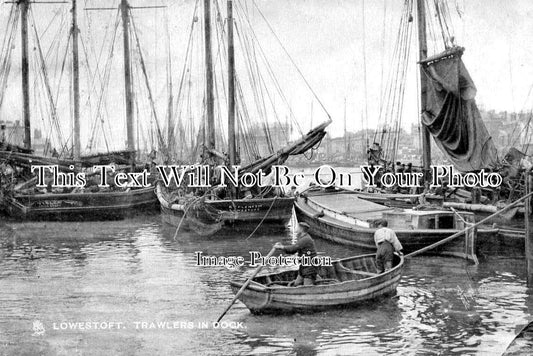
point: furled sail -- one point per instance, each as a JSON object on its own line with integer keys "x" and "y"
{"x": 451, "y": 114}
{"x": 308, "y": 141}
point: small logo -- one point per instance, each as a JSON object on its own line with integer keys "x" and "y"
{"x": 38, "y": 328}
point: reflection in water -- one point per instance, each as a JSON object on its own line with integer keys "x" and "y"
{"x": 135, "y": 273}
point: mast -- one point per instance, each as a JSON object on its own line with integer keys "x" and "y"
{"x": 364, "y": 123}
{"x": 76, "y": 81}
{"x": 124, "y": 8}
{"x": 24, "y": 7}
{"x": 170, "y": 126}
{"x": 345, "y": 138}
{"x": 311, "y": 116}
{"x": 423, "y": 53}
{"x": 364, "y": 143}
{"x": 231, "y": 89}
{"x": 210, "y": 122}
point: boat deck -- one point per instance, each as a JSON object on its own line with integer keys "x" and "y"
{"x": 350, "y": 204}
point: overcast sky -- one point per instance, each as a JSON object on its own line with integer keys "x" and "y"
{"x": 325, "y": 39}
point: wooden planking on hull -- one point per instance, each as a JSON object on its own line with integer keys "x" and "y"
{"x": 346, "y": 290}
{"x": 81, "y": 206}
{"x": 328, "y": 222}
{"x": 240, "y": 214}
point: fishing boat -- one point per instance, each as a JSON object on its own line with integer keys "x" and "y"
{"x": 448, "y": 114}
{"x": 209, "y": 210}
{"x": 344, "y": 218}
{"x": 22, "y": 199}
{"x": 206, "y": 217}
{"x": 449, "y": 117}
{"x": 347, "y": 282}
{"x": 206, "y": 214}
{"x": 522, "y": 344}
{"x": 108, "y": 205}
{"x": 26, "y": 201}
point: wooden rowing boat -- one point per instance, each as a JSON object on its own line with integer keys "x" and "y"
{"x": 349, "y": 281}
{"x": 344, "y": 218}
{"x": 522, "y": 344}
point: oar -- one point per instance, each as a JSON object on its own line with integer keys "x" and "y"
{"x": 246, "y": 284}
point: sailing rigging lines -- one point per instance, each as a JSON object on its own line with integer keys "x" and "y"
{"x": 292, "y": 60}
{"x": 104, "y": 84}
{"x": 259, "y": 95}
{"x": 53, "y": 117}
{"x": 42, "y": 86}
{"x": 7, "y": 49}
{"x": 141, "y": 87}
{"x": 263, "y": 114}
{"x": 391, "y": 110}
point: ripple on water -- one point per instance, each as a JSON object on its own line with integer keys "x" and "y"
{"x": 134, "y": 271}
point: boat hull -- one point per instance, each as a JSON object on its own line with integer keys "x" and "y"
{"x": 522, "y": 344}
{"x": 349, "y": 234}
{"x": 261, "y": 298}
{"x": 82, "y": 206}
{"x": 243, "y": 214}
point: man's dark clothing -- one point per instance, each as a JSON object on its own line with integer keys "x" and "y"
{"x": 304, "y": 246}
{"x": 384, "y": 256}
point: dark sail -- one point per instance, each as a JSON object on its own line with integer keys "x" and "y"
{"x": 452, "y": 116}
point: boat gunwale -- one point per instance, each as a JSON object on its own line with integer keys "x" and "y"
{"x": 320, "y": 289}
{"x": 181, "y": 207}
{"x": 344, "y": 225}
{"x": 87, "y": 194}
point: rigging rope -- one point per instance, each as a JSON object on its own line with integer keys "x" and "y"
{"x": 268, "y": 66}
{"x": 292, "y": 60}
{"x": 7, "y": 49}
{"x": 46, "y": 82}
{"x": 147, "y": 83}
{"x": 103, "y": 89}
{"x": 391, "y": 110}
{"x": 185, "y": 78}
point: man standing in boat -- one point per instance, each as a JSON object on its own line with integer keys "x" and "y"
{"x": 304, "y": 246}
{"x": 387, "y": 243}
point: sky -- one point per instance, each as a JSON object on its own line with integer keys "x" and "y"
{"x": 326, "y": 41}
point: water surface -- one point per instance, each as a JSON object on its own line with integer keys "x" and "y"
{"x": 134, "y": 273}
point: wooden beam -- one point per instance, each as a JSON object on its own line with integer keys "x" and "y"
{"x": 75, "y": 82}
{"x": 24, "y": 7}
{"x": 423, "y": 53}
{"x": 128, "y": 90}
{"x": 232, "y": 152}
{"x": 209, "y": 100}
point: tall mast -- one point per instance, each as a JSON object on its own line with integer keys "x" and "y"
{"x": 125, "y": 8}
{"x": 232, "y": 153}
{"x": 24, "y": 7}
{"x": 76, "y": 81}
{"x": 170, "y": 126}
{"x": 210, "y": 122}
{"x": 423, "y": 53}
{"x": 365, "y": 122}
